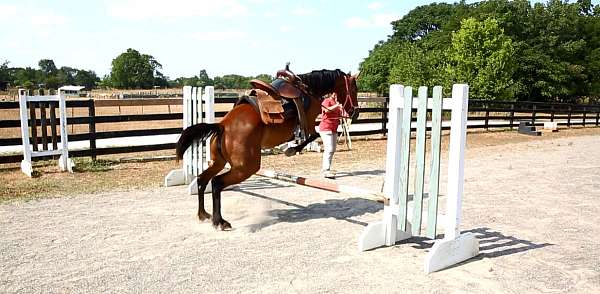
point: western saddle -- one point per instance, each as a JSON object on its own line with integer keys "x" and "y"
{"x": 270, "y": 98}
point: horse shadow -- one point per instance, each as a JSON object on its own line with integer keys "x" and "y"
{"x": 492, "y": 243}
{"x": 340, "y": 209}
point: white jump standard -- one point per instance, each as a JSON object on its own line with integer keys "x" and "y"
{"x": 400, "y": 223}
{"x": 64, "y": 162}
{"x": 196, "y": 158}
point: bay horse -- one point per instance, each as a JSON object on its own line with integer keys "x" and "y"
{"x": 238, "y": 138}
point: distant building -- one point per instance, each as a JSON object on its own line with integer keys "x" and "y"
{"x": 71, "y": 90}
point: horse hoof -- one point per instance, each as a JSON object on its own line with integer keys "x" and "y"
{"x": 202, "y": 216}
{"x": 290, "y": 151}
{"x": 223, "y": 225}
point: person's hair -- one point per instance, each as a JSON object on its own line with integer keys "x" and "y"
{"x": 330, "y": 95}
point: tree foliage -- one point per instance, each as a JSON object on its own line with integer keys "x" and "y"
{"x": 134, "y": 70}
{"x": 230, "y": 81}
{"x": 512, "y": 50}
{"x": 482, "y": 56}
{"x": 4, "y": 75}
{"x": 47, "y": 76}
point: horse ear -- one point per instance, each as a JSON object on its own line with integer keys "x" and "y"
{"x": 356, "y": 75}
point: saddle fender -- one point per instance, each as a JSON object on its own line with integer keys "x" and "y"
{"x": 271, "y": 110}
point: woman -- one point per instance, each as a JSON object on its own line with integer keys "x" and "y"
{"x": 331, "y": 111}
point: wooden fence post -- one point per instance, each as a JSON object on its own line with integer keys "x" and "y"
{"x": 487, "y": 117}
{"x": 584, "y": 115}
{"x": 384, "y": 117}
{"x": 552, "y": 113}
{"x": 33, "y": 125}
{"x": 53, "y": 125}
{"x": 92, "y": 127}
{"x": 44, "y": 125}
{"x": 512, "y": 115}
{"x": 533, "y": 115}
{"x": 569, "y": 117}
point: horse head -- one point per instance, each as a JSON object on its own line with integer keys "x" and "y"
{"x": 321, "y": 82}
{"x": 347, "y": 92}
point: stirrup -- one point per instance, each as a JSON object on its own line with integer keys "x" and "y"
{"x": 302, "y": 123}
{"x": 300, "y": 135}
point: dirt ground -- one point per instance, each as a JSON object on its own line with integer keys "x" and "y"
{"x": 533, "y": 202}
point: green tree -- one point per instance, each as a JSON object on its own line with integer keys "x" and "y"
{"x": 66, "y": 75}
{"x": 265, "y": 78}
{"x": 105, "y": 82}
{"x": 554, "y": 48}
{"x": 27, "y": 77}
{"x": 375, "y": 69}
{"x": 219, "y": 83}
{"x": 49, "y": 74}
{"x": 233, "y": 81}
{"x": 47, "y": 67}
{"x": 5, "y": 75}
{"x": 423, "y": 20}
{"x": 134, "y": 70}
{"x": 481, "y": 56}
{"x": 86, "y": 78}
{"x": 414, "y": 66}
{"x": 203, "y": 79}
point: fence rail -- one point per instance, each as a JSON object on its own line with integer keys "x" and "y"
{"x": 482, "y": 114}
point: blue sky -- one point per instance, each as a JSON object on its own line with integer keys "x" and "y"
{"x": 246, "y": 37}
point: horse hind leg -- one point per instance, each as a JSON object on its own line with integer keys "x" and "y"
{"x": 234, "y": 176}
{"x": 213, "y": 169}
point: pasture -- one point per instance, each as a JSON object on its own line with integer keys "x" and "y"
{"x": 532, "y": 201}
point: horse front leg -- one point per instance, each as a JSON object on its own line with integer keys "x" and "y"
{"x": 235, "y": 175}
{"x": 293, "y": 150}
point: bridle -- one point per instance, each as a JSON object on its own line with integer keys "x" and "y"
{"x": 347, "y": 101}
{"x": 348, "y": 96}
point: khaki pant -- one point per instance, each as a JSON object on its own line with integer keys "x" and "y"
{"x": 329, "y": 145}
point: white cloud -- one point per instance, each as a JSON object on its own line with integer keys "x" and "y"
{"x": 41, "y": 21}
{"x": 8, "y": 11}
{"x": 13, "y": 44}
{"x": 384, "y": 19}
{"x": 357, "y": 22}
{"x": 48, "y": 19}
{"x": 220, "y": 35}
{"x": 152, "y": 9}
{"x": 285, "y": 29}
{"x": 304, "y": 11}
{"x": 269, "y": 14}
{"x": 375, "y": 5}
{"x": 376, "y": 20}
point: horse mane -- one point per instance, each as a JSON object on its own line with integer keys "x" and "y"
{"x": 321, "y": 81}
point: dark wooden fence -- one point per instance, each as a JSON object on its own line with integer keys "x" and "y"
{"x": 485, "y": 114}
{"x": 493, "y": 114}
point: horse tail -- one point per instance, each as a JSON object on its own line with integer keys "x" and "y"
{"x": 200, "y": 132}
